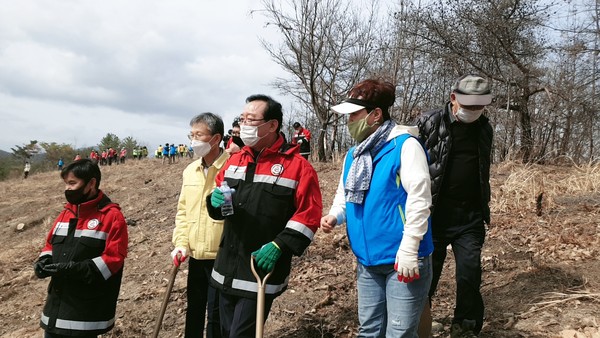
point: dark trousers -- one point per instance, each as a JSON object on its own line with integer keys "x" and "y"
{"x": 202, "y": 300}
{"x": 463, "y": 228}
{"x": 238, "y": 315}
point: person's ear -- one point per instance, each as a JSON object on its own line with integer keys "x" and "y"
{"x": 219, "y": 138}
{"x": 378, "y": 116}
{"x": 274, "y": 125}
{"x": 92, "y": 184}
{"x": 453, "y": 98}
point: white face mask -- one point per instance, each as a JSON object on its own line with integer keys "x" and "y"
{"x": 468, "y": 116}
{"x": 201, "y": 148}
{"x": 249, "y": 134}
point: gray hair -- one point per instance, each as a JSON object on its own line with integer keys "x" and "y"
{"x": 212, "y": 121}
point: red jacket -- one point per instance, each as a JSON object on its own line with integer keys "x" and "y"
{"x": 277, "y": 198}
{"x": 302, "y": 137}
{"x": 303, "y": 134}
{"x": 94, "y": 236}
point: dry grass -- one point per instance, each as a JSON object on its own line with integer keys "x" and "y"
{"x": 517, "y": 186}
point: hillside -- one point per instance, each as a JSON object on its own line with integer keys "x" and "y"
{"x": 541, "y": 273}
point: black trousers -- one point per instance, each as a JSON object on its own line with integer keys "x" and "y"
{"x": 238, "y": 315}
{"x": 460, "y": 226}
{"x": 202, "y": 300}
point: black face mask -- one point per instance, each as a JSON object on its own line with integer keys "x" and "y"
{"x": 76, "y": 196}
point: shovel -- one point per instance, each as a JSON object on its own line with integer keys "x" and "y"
{"x": 260, "y": 299}
{"x": 163, "y": 307}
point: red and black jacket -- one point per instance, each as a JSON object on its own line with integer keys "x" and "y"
{"x": 94, "y": 235}
{"x": 277, "y": 198}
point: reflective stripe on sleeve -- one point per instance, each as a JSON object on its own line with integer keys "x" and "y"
{"x": 101, "y": 265}
{"x": 303, "y": 229}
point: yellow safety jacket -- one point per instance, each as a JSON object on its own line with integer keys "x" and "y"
{"x": 194, "y": 229}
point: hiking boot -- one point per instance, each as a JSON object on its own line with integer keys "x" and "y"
{"x": 436, "y": 327}
{"x": 464, "y": 330}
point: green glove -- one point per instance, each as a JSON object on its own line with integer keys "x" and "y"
{"x": 267, "y": 256}
{"x": 217, "y": 198}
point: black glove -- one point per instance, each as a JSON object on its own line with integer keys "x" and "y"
{"x": 84, "y": 271}
{"x": 38, "y": 267}
{"x": 58, "y": 269}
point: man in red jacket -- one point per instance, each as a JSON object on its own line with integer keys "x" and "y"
{"x": 277, "y": 210}
{"x": 84, "y": 255}
{"x": 302, "y": 137}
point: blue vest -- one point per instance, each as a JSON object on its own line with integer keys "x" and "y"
{"x": 375, "y": 227}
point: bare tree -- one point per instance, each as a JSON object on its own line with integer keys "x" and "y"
{"x": 326, "y": 48}
{"x": 499, "y": 39}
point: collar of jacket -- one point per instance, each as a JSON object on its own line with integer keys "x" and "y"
{"x": 218, "y": 163}
{"x": 451, "y": 116}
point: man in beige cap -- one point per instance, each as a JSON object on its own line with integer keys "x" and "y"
{"x": 459, "y": 141}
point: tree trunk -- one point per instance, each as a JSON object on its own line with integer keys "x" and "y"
{"x": 526, "y": 132}
{"x": 321, "y": 143}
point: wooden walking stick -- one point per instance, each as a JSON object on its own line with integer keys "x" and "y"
{"x": 260, "y": 299}
{"x": 163, "y": 307}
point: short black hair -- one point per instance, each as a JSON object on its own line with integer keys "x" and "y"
{"x": 273, "y": 112}
{"x": 84, "y": 169}
{"x": 296, "y": 125}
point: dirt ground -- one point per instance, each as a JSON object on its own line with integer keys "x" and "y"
{"x": 541, "y": 273}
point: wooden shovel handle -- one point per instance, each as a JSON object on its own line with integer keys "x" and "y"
{"x": 165, "y": 301}
{"x": 260, "y": 299}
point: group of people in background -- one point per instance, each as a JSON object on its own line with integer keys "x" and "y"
{"x": 109, "y": 156}
{"x": 405, "y": 193}
{"x": 233, "y": 142}
{"x": 171, "y": 152}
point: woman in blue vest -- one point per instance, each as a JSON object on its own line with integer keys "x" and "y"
{"x": 384, "y": 197}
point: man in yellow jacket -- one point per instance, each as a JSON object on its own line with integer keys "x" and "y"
{"x": 196, "y": 234}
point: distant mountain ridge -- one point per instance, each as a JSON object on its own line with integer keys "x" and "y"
{"x": 4, "y": 154}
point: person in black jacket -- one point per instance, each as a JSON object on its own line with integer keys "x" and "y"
{"x": 277, "y": 208}
{"x": 459, "y": 141}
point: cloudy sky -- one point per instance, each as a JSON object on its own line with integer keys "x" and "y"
{"x": 72, "y": 71}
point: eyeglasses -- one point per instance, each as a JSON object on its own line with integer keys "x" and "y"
{"x": 192, "y": 136}
{"x": 249, "y": 121}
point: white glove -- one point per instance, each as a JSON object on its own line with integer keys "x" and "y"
{"x": 178, "y": 259}
{"x": 407, "y": 260}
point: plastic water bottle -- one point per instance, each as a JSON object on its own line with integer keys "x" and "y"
{"x": 227, "y": 206}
